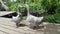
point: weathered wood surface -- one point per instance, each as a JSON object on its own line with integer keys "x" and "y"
{"x": 7, "y": 26}
{"x": 2, "y": 13}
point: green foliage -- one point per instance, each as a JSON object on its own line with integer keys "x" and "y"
{"x": 51, "y": 3}
{"x": 37, "y": 5}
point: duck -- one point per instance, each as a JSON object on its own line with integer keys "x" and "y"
{"x": 31, "y": 18}
{"x": 17, "y": 18}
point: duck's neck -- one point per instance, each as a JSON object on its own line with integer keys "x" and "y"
{"x": 18, "y": 14}
{"x": 28, "y": 13}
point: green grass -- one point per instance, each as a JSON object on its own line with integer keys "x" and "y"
{"x": 52, "y": 18}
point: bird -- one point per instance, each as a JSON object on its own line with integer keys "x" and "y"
{"x": 33, "y": 19}
{"x": 17, "y": 18}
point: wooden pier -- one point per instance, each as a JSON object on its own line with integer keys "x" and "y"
{"x": 7, "y": 26}
{"x": 2, "y": 13}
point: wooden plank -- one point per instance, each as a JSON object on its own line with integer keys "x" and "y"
{"x": 2, "y": 32}
{"x": 9, "y": 24}
{"x": 21, "y": 30}
{"x": 6, "y": 12}
{"x": 5, "y": 25}
{"x": 8, "y": 29}
{"x": 7, "y": 21}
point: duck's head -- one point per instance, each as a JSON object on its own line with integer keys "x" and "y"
{"x": 19, "y": 9}
{"x": 27, "y": 6}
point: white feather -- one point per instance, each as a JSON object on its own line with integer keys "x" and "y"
{"x": 16, "y": 19}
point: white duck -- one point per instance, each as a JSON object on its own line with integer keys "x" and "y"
{"x": 33, "y": 19}
{"x": 17, "y": 18}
